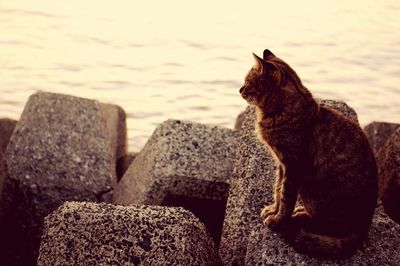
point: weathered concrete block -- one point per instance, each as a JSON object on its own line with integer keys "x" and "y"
{"x": 81, "y": 233}
{"x": 266, "y": 247}
{"x": 2, "y": 178}
{"x": 239, "y": 120}
{"x": 340, "y": 107}
{"x": 6, "y": 129}
{"x": 123, "y": 163}
{"x": 378, "y": 133}
{"x": 60, "y": 150}
{"x": 252, "y": 187}
{"x": 116, "y": 126}
{"x": 183, "y": 164}
{"x": 388, "y": 161}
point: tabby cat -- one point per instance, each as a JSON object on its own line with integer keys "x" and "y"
{"x": 323, "y": 158}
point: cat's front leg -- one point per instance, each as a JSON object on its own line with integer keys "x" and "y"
{"x": 273, "y": 208}
{"x": 288, "y": 197}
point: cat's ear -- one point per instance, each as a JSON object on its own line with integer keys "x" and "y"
{"x": 259, "y": 63}
{"x": 267, "y": 54}
{"x": 264, "y": 66}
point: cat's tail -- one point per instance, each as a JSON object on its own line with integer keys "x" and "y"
{"x": 327, "y": 246}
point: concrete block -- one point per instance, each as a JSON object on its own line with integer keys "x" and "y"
{"x": 60, "y": 150}
{"x": 81, "y": 233}
{"x": 183, "y": 164}
{"x": 124, "y": 162}
{"x": 6, "y": 129}
{"x": 115, "y": 118}
{"x": 378, "y": 133}
{"x": 382, "y": 247}
{"x": 388, "y": 162}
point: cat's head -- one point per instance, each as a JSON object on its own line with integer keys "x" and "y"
{"x": 268, "y": 78}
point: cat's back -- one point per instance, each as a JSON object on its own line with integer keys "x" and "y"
{"x": 344, "y": 166}
{"x": 341, "y": 190}
{"x": 341, "y": 143}
{"x": 341, "y": 139}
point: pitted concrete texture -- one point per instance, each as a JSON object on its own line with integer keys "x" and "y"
{"x": 80, "y": 233}
{"x": 181, "y": 161}
{"x": 388, "y": 161}
{"x": 6, "y": 129}
{"x": 2, "y": 178}
{"x": 124, "y": 162}
{"x": 239, "y": 120}
{"x": 340, "y": 107}
{"x": 251, "y": 187}
{"x": 381, "y": 248}
{"x": 378, "y": 133}
{"x": 116, "y": 126}
{"x": 181, "y": 158}
{"x": 59, "y": 151}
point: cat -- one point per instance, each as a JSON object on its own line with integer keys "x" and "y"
{"x": 323, "y": 158}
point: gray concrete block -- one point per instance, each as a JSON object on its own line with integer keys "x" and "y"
{"x": 6, "y": 129}
{"x": 60, "y": 150}
{"x": 182, "y": 164}
{"x": 124, "y": 162}
{"x": 251, "y": 186}
{"x": 378, "y": 133}
{"x": 2, "y": 179}
{"x": 116, "y": 126}
{"x": 388, "y": 162}
{"x": 381, "y": 248}
{"x": 80, "y": 233}
{"x": 341, "y": 107}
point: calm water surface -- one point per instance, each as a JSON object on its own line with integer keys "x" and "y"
{"x": 187, "y": 59}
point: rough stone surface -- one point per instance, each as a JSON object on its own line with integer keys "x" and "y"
{"x": 59, "y": 151}
{"x": 2, "y": 178}
{"x": 381, "y": 248}
{"x": 388, "y": 161}
{"x": 123, "y": 164}
{"x": 6, "y": 129}
{"x": 116, "y": 126}
{"x": 104, "y": 234}
{"x": 251, "y": 187}
{"x": 340, "y": 107}
{"x": 378, "y": 133}
{"x": 181, "y": 164}
{"x": 239, "y": 120}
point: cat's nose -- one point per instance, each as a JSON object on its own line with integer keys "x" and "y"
{"x": 241, "y": 90}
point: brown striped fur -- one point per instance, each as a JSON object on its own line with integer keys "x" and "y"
{"x": 323, "y": 157}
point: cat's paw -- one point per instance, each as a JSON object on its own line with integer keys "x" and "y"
{"x": 269, "y": 210}
{"x": 299, "y": 209}
{"x": 274, "y": 221}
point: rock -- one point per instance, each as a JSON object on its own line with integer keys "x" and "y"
{"x": 239, "y": 120}
{"x": 123, "y": 164}
{"x": 6, "y": 129}
{"x": 250, "y": 190}
{"x": 388, "y": 161}
{"x": 183, "y": 164}
{"x": 116, "y": 125}
{"x": 2, "y": 178}
{"x": 80, "y": 233}
{"x": 378, "y": 133}
{"x": 252, "y": 186}
{"x": 60, "y": 150}
{"x": 340, "y": 107}
{"x": 381, "y": 248}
